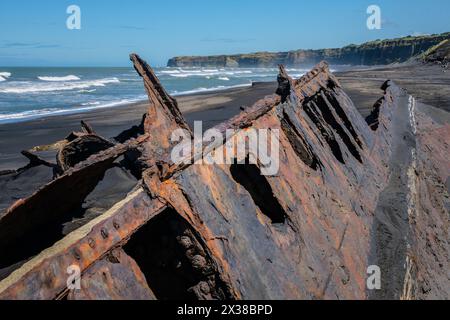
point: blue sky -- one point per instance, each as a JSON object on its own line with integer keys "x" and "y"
{"x": 34, "y": 33}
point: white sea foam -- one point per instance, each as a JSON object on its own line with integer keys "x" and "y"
{"x": 94, "y": 103}
{"x": 182, "y": 75}
{"x": 33, "y": 114}
{"x": 218, "y": 88}
{"x": 185, "y": 73}
{"x": 295, "y": 70}
{"x": 244, "y": 71}
{"x": 59, "y": 79}
{"x": 33, "y": 87}
{"x": 222, "y": 73}
{"x": 169, "y": 71}
{"x": 50, "y": 89}
{"x": 191, "y": 71}
{"x": 4, "y": 75}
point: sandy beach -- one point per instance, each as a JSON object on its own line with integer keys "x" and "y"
{"x": 428, "y": 83}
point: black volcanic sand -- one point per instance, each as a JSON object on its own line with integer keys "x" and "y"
{"x": 429, "y": 84}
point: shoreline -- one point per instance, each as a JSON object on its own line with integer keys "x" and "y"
{"x": 47, "y": 111}
{"x": 122, "y": 103}
{"x": 211, "y": 107}
{"x": 31, "y": 115}
{"x": 427, "y": 83}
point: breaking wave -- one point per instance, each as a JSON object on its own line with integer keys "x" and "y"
{"x": 169, "y": 71}
{"x": 185, "y": 73}
{"x": 59, "y": 79}
{"x": 218, "y": 88}
{"x": 4, "y": 75}
{"x": 33, "y": 114}
{"x": 35, "y": 93}
{"x": 32, "y": 87}
{"x": 87, "y": 91}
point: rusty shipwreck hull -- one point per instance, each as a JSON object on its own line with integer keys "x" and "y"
{"x": 225, "y": 231}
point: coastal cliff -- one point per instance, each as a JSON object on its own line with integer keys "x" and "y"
{"x": 439, "y": 54}
{"x": 378, "y": 52}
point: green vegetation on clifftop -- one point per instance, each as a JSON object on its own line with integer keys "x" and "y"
{"x": 378, "y": 52}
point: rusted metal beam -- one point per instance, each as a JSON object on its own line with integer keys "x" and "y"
{"x": 163, "y": 117}
{"x": 115, "y": 277}
{"x": 45, "y": 276}
{"x": 25, "y": 226}
{"x": 304, "y": 233}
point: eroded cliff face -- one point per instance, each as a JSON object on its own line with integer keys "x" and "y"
{"x": 350, "y": 193}
{"x": 371, "y": 53}
{"x": 439, "y": 54}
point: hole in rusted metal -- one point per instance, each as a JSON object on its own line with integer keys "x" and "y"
{"x": 299, "y": 144}
{"x": 343, "y": 115}
{"x": 327, "y": 114}
{"x": 249, "y": 176}
{"x": 312, "y": 111}
{"x": 174, "y": 261}
{"x": 373, "y": 119}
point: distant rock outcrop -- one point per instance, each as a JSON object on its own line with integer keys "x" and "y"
{"x": 378, "y": 52}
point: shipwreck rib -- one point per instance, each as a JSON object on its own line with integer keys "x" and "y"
{"x": 222, "y": 231}
{"x": 162, "y": 117}
{"x": 34, "y": 223}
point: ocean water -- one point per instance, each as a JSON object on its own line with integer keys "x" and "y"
{"x": 27, "y": 93}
